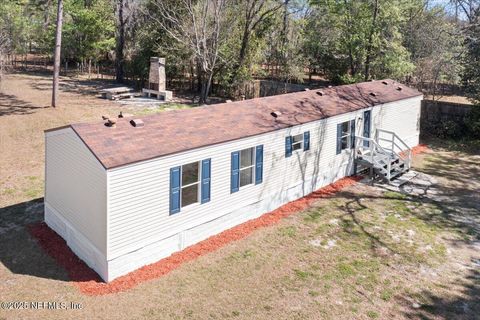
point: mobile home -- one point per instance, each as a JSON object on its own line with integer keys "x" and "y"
{"x": 127, "y": 194}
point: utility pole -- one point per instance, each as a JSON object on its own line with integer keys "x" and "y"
{"x": 58, "y": 47}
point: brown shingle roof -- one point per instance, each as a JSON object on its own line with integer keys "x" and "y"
{"x": 175, "y": 131}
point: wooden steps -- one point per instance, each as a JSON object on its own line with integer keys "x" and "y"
{"x": 383, "y": 162}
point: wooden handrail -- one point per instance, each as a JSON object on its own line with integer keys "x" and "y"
{"x": 405, "y": 153}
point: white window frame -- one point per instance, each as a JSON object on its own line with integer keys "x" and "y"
{"x": 190, "y": 184}
{"x": 300, "y": 142}
{"x": 348, "y": 136}
{"x": 240, "y": 169}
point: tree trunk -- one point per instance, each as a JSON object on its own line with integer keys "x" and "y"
{"x": 192, "y": 79}
{"x": 58, "y": 46}
{"x": 203, "y": 86}
{"x": 89, "y": 68}
{"x": 284, "y": 39}
{"x": 119, "y": 55}
{"x": 206, "y": 77}
{"x": 199, "y": 78}
{"x": 243, "y": 52}
{"x": 370, "y": 41}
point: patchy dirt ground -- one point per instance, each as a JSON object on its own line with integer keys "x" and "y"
{"x": 369, "y": 252}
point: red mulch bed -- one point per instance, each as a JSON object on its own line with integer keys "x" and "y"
{"x": 421, "y": 148}
{"x": 90, "y": 283}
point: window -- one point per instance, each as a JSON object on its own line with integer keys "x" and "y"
{"x": 190, "y": 183}
{"x": 344, "y": 140}
{"x": 297, "y": 142}
{"x": 345, "y": 135}
{"x": 246, "y": 167}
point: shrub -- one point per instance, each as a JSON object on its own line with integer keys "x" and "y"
{"x": 472, "y": 122}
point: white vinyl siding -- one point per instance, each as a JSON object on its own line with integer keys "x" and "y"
{"x": 401, "y": 117}
{"x": 124, "y": 212}
{"x": 139, "y": 202}
{"x": 76, "y": 186}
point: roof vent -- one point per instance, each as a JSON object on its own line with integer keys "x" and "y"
{"x": 385, "y": 82}
{"x": 399, "y": 88}
{"x": 124, "y": 115}
{"x": 330, "y": 86}
{"x": 110, "y": 123}
{"x": 373, "y": 94}
{"x": 137, "y": 123}
{"x": 320, "y": 93}
{"x": 228, "y": 101}
{"x": 275, "y": 114}
{"x": 306, "y": 89}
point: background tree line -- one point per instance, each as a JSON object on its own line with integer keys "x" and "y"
{"x": 214, "y": 46}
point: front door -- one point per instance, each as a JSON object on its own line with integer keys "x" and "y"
{"x": 366, "y": 127}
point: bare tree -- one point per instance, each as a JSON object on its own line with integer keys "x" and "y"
{"x": 255, "y": 12}
{"x": 469, "y": 8}
{"x": 58, "y": 46}
{"x": 201, "y": 27}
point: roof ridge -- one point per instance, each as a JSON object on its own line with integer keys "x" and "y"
{"x": 176, "y": 131}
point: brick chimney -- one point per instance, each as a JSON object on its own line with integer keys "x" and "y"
{"x": 156, "y": 79}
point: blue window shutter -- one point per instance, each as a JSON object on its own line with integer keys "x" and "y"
{"x": 306, "y": 140}
{"x": 234, "y": 181}
{"x": 259, "y": 164}
{"x": 206, "y": 176}
{"x": 288, "y": 146}
{"x": 339, "y": 138}
{"x": 175, "y": 190}
{"x": 352, "y": 134}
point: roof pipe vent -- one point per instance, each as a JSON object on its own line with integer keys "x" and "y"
{"x": 399, "y": 88}
{"x": 110, "y": 123}
{"x": 124, "y": 115}
{"x": 330, "y": 86}
{"x": 137, "y": 123}
{"x": 385, "y": 82}
{"x": 373, "y": 94}
{"x": 320, "y": 93}
{"x": 275, "y": 114}
{"x": 306, "y": 89}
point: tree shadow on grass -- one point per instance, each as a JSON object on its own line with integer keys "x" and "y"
{"x": 464, "y": 304}
{"x": 455, "y": 207}
{"x": 11, "y": 105}
{"x": 23, "y": 253}
{"x": 83, "y": 87}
